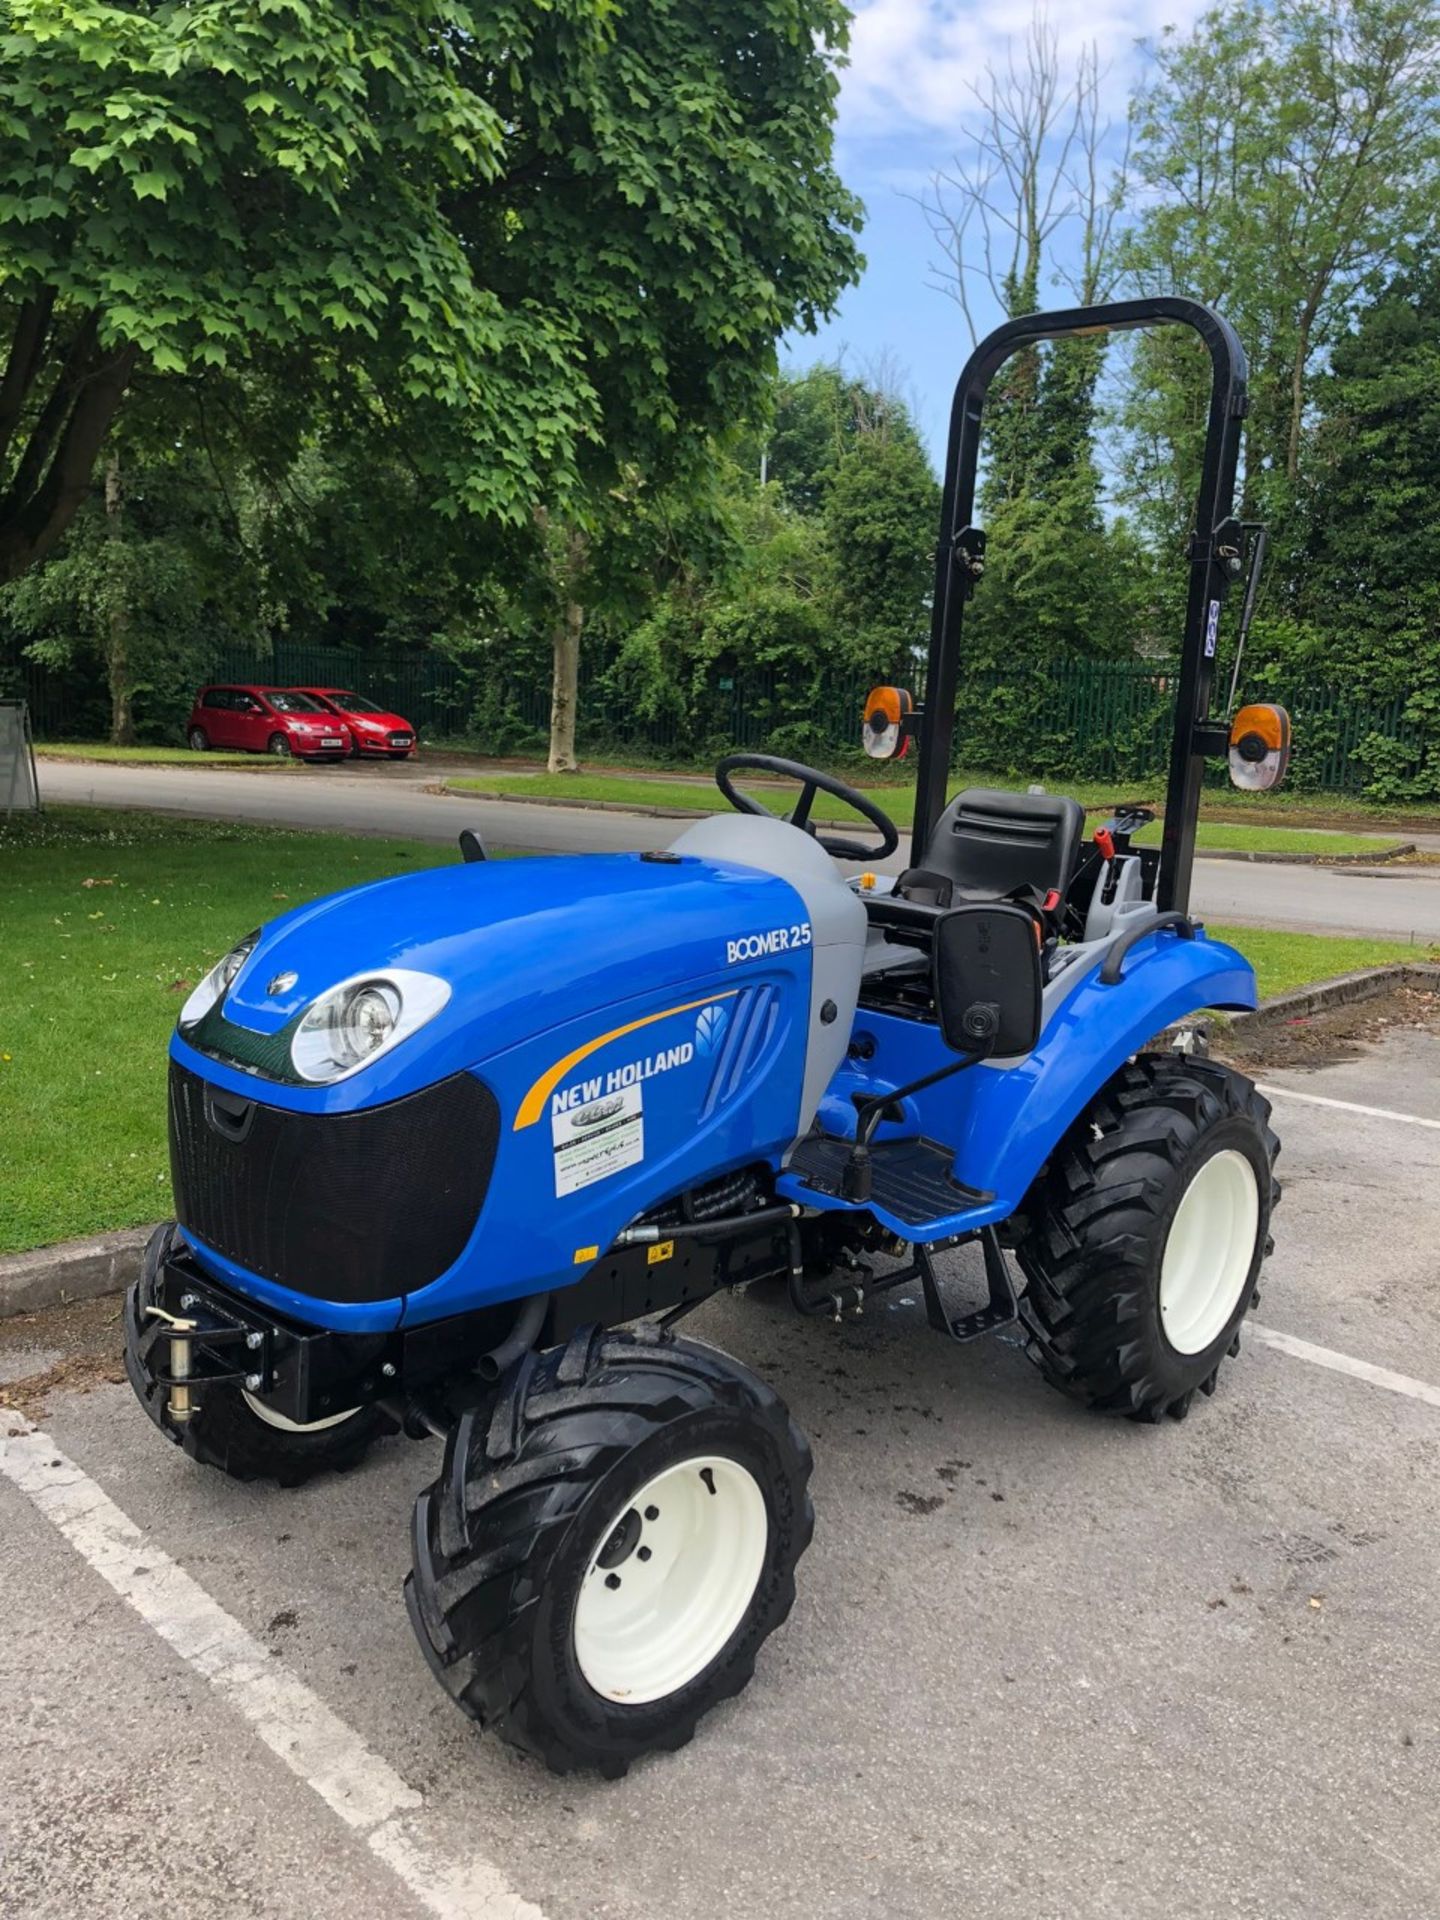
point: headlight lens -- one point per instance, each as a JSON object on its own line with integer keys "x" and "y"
{"x": 360, "y": 1019}
{"x": 217, "y": 982}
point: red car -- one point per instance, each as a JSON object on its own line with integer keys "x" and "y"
{"x": 274, "y": 720}
{"x": 373, "y": 729}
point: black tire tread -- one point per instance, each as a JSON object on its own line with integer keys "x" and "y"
{"x": 508, "y": 1490}
{"x": 1086, "y": 1243}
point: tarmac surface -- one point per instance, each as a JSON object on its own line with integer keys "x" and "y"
{"x": 1042, "y": 1666}
{"x": 1387, "y": 902}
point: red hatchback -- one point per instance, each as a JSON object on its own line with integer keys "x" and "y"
{"x": 274, "y": 720}
{"x": 373, "y": 729}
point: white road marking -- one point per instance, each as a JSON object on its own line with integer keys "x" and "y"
{"x": 1344, "y": 1363}
{"x": 327, "y": 1754}
{"x": 1347, "y": 1106}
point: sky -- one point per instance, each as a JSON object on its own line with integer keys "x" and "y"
{"x": 904, "y": 101}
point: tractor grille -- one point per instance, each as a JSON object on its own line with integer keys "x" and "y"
{"x": 347, "y": 1206}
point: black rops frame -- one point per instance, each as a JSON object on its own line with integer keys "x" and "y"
{"x": 1216, "y": 559}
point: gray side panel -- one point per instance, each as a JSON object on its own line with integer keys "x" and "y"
{"x": 838, "y": 926}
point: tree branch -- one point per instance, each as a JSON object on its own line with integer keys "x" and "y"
{"x": 27, "y": 351}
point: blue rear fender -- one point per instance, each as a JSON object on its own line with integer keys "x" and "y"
{"x": 1017, "y": 1114}
{"x": 1003, "y": 1119}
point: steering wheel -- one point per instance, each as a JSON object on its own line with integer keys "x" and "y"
{"x": 812, "y": 781}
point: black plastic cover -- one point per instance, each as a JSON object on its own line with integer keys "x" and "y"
{"x": 350, "y": 1206}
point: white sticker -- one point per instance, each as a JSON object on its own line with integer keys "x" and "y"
{"x": 1212, "y": 629}
{"x": 598, "y": 1139}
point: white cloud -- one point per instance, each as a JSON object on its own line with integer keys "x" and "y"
{"x": 913, "y": 62}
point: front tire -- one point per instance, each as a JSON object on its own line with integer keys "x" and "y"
{"x": 280, "y": 747}
{"x": 608, "y": 1546}
{"x": 228, "y": 1428}
{"x": 199, "y": 740}
{"x": 1143, "y": 1238}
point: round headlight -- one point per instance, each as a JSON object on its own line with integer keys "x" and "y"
{"x": 360, "y": 1019}
{"x": 217, "y": 982}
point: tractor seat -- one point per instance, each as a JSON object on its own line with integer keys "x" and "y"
{"x": 990, "y": 845}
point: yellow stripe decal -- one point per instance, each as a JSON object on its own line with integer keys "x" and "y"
{"x": 533, "y": 1105}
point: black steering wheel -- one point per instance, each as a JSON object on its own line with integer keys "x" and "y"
{"x": 812, "y": 781}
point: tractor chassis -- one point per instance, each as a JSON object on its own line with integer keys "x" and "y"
{"x": 198, "y": 1332}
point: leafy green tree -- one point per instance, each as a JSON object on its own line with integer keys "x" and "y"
{"x": 880, "y": 519}
{"x": 1290, "y": 151}
{"x": 521, "y": 245}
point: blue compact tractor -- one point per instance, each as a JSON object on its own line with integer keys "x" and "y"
{"x": 454, "y": 1152}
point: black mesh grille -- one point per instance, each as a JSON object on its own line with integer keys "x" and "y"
{"x": 347, "y": 1206}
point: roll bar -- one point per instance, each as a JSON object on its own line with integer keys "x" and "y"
{"x": 1216, "y": 559}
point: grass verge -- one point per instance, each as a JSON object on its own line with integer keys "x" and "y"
{"x": 108, "y": 918}
{"x": 151, "y": 756}
{"x": 898, "y": 802}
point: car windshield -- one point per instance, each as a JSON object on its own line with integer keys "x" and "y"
{"x": 286, "y": 702}
{"x": 355, "y": 703}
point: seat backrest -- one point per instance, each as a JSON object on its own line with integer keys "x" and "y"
{"x": 992, "y": 842}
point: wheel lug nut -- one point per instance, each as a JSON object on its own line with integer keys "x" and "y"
{"x": 642, "y": 1553}
{"x": 612, "y": 1580}
{"x": 652, "y": 1513}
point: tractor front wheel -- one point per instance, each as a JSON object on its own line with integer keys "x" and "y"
{"x": 1142, "y": 1240}
{"x": 608, "y": 1545}
{"x": 227, "y": 1427}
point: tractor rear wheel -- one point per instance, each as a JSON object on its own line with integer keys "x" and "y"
{"x": 229, "y": 1428}
{"x": 1142, "y": 1240}
{"x": 608, "y": 1545}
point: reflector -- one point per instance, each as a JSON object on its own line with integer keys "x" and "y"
{"x": 884, "y": 732}
{"x": 1259, "y": 747}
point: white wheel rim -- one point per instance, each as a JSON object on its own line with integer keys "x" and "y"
{"x": 1208, "y": 1251}
{"x": 274, "y": 1419}
{"x": 672, "y": 1577}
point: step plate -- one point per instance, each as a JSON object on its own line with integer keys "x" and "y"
{"x": 910, "y": 1179}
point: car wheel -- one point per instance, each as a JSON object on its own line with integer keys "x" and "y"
{"x": 199, "y": 740}
{"x": 281, "y": 747}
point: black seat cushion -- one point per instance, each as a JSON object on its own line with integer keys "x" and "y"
{"x": 989, "y": 844}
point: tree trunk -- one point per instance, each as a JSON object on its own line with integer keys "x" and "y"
{"x": 117, "y": 613}
{"x": 565, "y": 641}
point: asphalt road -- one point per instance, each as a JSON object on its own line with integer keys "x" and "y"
{"x": 1386, "y": 903}
{"x": 1042, "y": 1666}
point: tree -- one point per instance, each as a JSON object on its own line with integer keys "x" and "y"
{"x": 1290, "y": 152}
{"x": 518, "y": 246}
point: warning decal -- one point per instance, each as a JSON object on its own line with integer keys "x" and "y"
{"x": 600, "y": 1138}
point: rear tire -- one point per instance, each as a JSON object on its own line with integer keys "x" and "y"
{"x": 608, "y": 1545}
{"x": 199, "y": 740}
{"x": 280, "y": 746}
{"x": 1143, "y": 1238}
{"x": 228, "y": 1429}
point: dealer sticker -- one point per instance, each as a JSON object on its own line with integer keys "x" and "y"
{"x": 602, "y": 1137}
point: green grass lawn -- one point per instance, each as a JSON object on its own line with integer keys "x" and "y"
{"x": 93, "y": 977}
{"x": 153, "y": 756}
{"x": 898, "y": 802}
{"x": 109, "y": 918}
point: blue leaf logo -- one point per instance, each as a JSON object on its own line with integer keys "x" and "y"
{"x": 709, "y": 1029}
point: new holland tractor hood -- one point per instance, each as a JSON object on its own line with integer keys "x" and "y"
{"x": 523, "y": 1054}
{"x": 491, "y": 953}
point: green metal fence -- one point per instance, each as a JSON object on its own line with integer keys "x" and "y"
{"x": 1093, "y": 720}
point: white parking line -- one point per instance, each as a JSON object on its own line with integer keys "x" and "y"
{"x": 329, "y": 1756}
{"x": 1347, "y": 1106}
{"x": 1343, "y": 1363}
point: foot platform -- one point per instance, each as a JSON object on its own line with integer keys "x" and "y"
{"x": 910, "y": 1179}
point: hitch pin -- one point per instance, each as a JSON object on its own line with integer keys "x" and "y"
{"x": 180, "y": 1408}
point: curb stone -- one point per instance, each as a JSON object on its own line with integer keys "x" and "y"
{"x": 73, "y": 1270}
